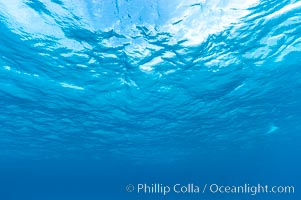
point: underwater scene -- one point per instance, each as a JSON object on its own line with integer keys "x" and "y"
{"x": 150, "y": 99}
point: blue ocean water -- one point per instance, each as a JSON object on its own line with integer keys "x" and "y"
{"x": 96, "y": 95}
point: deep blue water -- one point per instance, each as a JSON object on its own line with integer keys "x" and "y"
{"x": 96, "y": 95}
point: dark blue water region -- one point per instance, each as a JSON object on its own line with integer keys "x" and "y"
{"x": 89, "y": 180}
